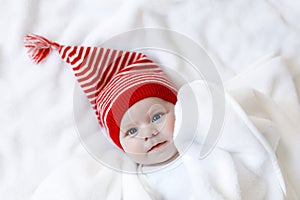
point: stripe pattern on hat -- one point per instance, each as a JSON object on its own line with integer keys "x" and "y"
{"x": 93, "y": 66}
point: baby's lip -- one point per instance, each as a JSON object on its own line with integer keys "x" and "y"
{"x": 157, "y": 145}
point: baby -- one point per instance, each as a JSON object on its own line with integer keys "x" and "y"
{"x": 134, "y": 101}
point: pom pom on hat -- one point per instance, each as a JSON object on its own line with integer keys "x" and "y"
{"x": 38, "y": 47}
{"x": 113, "y": 80}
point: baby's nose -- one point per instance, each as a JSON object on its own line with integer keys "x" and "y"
{"x": 149, "y": 132}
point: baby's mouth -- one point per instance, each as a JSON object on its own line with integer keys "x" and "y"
{"x": 158, "y": 145}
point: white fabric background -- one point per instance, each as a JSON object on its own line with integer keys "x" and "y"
{"x": 37, "y": 128}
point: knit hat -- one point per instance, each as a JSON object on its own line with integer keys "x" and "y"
{"x": 113, "y": 80}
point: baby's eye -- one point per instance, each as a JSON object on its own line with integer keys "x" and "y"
{"x": 132, "y": 131}
{"x": 157, "y": 117}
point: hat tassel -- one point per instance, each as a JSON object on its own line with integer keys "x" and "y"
{"x": 39, "y": 47}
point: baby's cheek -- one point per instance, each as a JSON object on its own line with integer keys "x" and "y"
{"x": 132, "y": 146}
{"x": 169, "y": 126}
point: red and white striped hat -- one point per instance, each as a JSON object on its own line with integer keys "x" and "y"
{"x": 113, "y": 80}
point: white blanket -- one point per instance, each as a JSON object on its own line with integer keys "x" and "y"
{"x": 253, "y": 142}
{"x": 39, "y": 144}
{"x": 244, "y": 163}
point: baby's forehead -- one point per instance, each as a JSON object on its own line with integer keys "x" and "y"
{"x": 151, "y": 100}
{"x": 149, "y": 103}
{"x": 147, "y": 106}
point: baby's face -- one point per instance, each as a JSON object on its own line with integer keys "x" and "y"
{"x": 146, "y": 131}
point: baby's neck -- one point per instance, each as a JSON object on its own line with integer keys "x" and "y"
{"x": 153, "y": 167}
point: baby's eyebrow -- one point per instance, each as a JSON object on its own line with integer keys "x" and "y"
{"x": 154, "y": 109}
{"x": 129, "y": 124}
